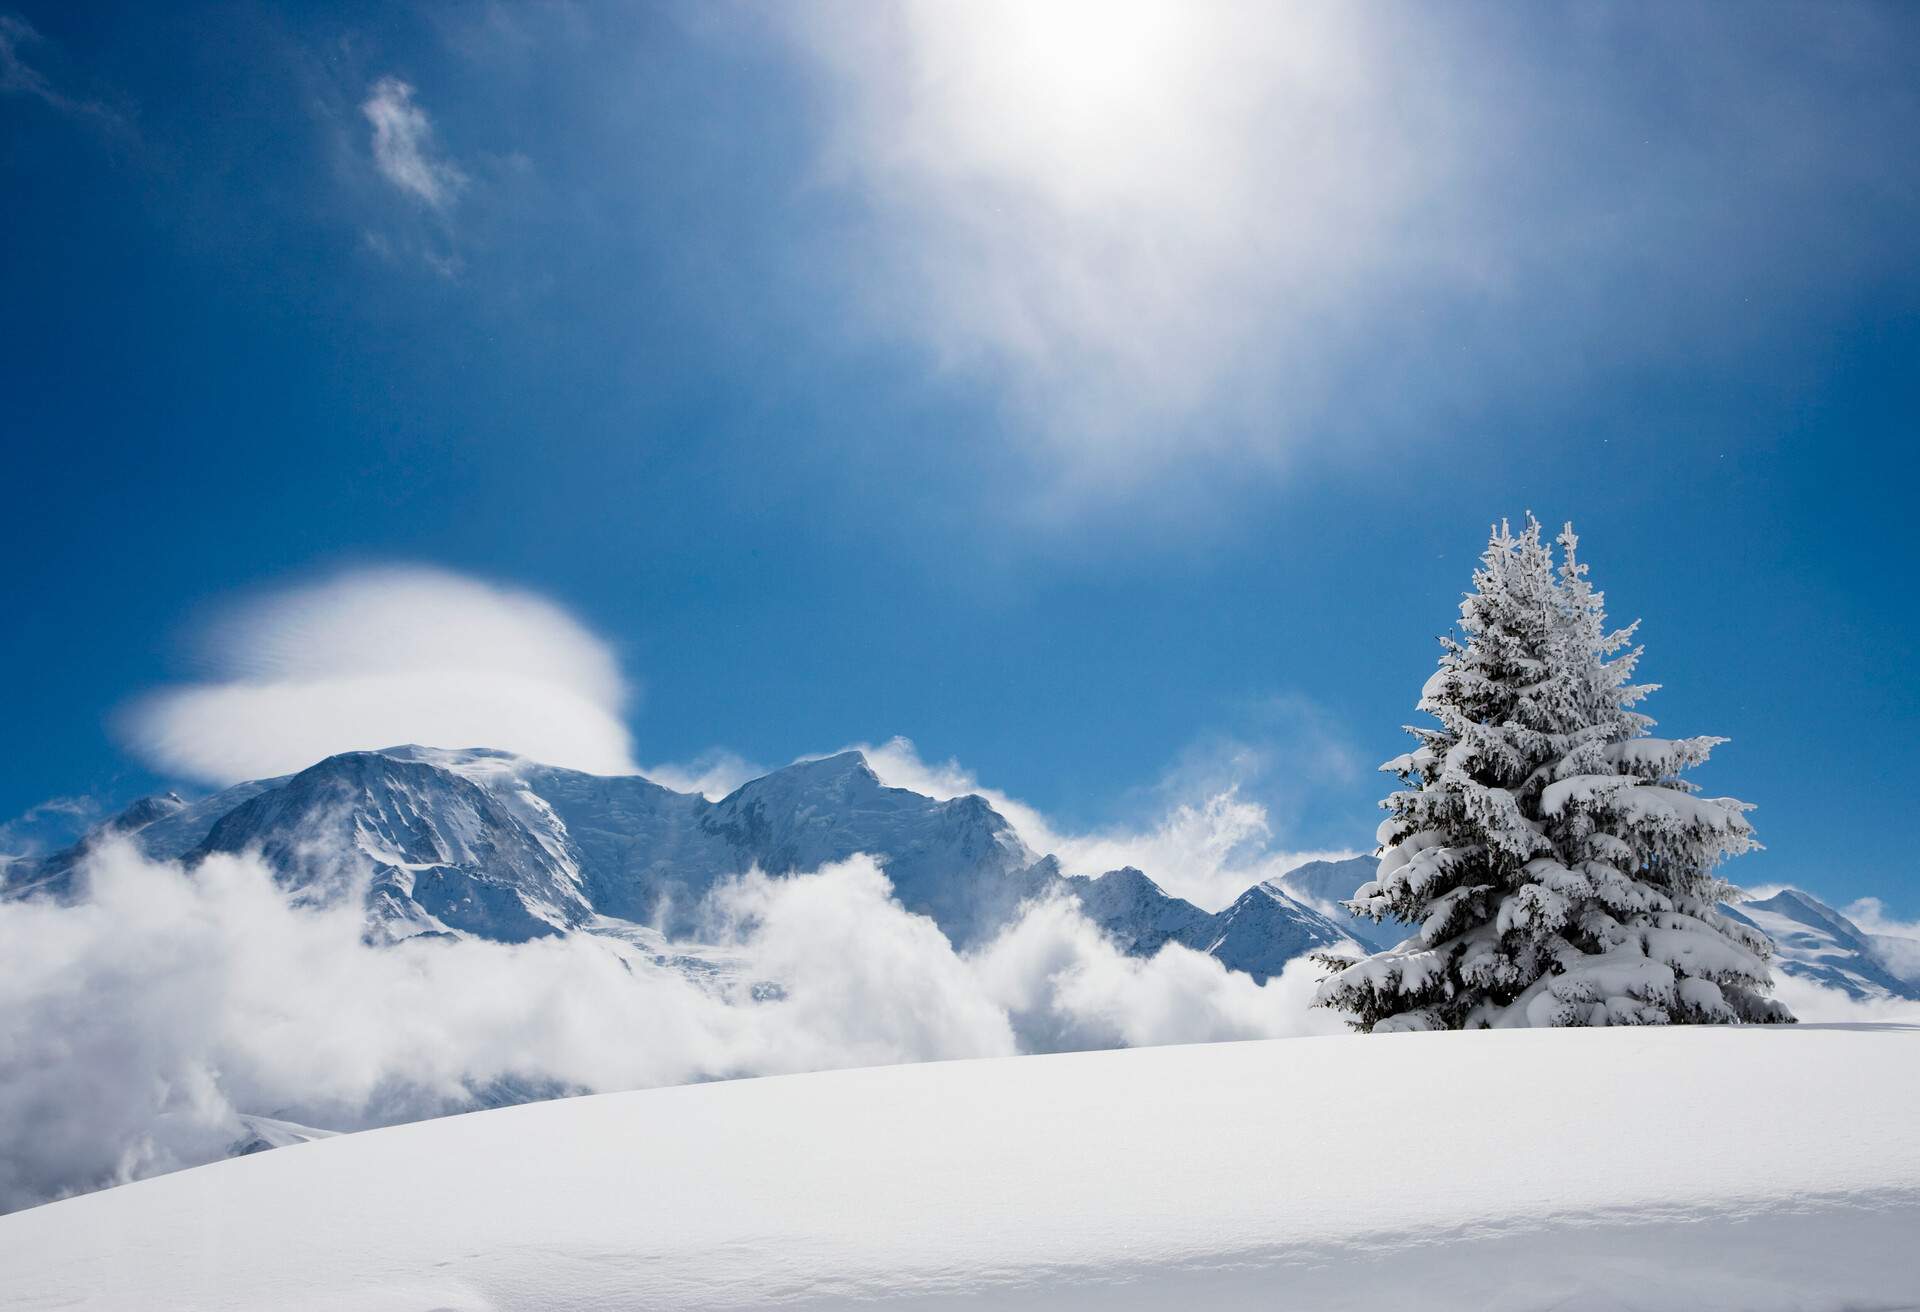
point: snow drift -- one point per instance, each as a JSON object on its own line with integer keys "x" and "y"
{"x": 1750, "y": 1168}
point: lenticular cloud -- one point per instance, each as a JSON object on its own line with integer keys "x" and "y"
{"x": 376, "y": 657}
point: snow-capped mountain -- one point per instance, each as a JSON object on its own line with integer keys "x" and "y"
{"x": 492, "y": 845}
{"x": 446, "y": 852}
{"x": 1815, "y": 942}
{"x": 958, "y": 861}
{"x": 1264, "y": 929}
{"x": 1138, "y": 912}
{"x": 1326, "y": 885}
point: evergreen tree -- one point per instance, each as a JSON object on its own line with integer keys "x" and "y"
{"x": 1557, "y": 868}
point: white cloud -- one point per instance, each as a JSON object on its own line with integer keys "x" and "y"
{"x": 404, "y": 149}
{"x": 1896, "y": 941}
{"x": 1816, "y": 1004}
{"x": 1209, "y": 844}
{"x": 864, "y": 981}
{"x": 138, "y": 1023}
{"x": 1067, "y": 988}
{"x": 1208, "y": 852}
{"x": 1220, "y": 233}
{"x": 1870, "y": 913}
{"x": 377, "y": 657}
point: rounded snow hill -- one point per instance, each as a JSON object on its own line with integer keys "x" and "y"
{"x": 1572, "y": 1169}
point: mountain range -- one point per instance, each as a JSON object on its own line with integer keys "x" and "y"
{"x": 487, "y": 844}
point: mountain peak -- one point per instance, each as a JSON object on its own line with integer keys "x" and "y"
{"x": 1805, "y": 909}
{"x": 145, "y": 811}
{"x": 1793, "y": 897}
{"x": 850, "y": 761}
{"x": 842, "y": 770}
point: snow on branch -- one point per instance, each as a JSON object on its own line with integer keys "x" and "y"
{"x": 1552, "y": 862}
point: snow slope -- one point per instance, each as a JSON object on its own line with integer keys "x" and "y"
{"x": 1573, "y": 1169}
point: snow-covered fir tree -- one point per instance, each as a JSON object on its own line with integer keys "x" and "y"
{"x": 1556, "y": 867}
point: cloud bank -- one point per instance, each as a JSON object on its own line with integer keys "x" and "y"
{"x": 377, "y": 657}
{"x": 137, "y": 1024}
{"x": 1816, "y": 1004}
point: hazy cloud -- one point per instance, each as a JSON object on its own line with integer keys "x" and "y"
{"x": 377, "y": 657}
{"x": 404, "y": 149}
{"x": 1228, "y": 234}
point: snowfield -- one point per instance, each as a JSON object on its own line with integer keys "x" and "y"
{"x": 1750, "y": 1168}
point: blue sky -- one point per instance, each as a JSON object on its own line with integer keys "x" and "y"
{"x": 1112, "y": 406}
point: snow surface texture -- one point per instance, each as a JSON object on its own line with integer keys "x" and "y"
{"x": 1782, "y": 1171}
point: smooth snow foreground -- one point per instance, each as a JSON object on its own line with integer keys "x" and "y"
{"x": 1646, "y": 1169}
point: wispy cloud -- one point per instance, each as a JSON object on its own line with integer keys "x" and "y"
{"x": 1896, "y": 941}
{"x": 376, "y": 657}
{"x": 1870, "y": 913}
{"x": 18, "y": 77}
{"x": 46, "y": 825}
{"x": 404, "y": 149}
{"x": 713, "y": 774}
